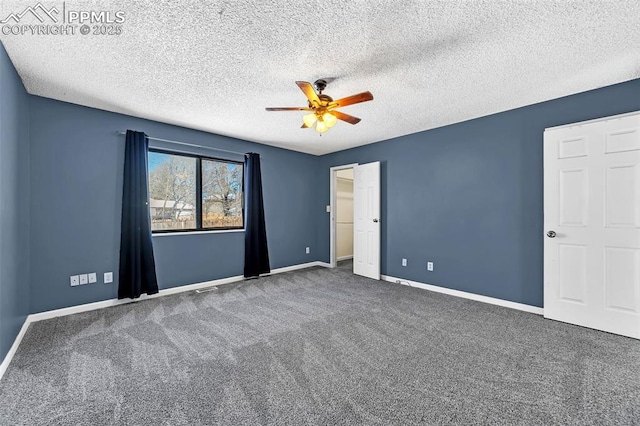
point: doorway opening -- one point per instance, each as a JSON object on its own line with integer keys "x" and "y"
{"x": 341, "y": 210}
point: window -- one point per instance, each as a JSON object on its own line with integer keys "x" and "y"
{"x": 194, "y": 193}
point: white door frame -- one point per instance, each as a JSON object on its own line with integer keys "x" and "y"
{"x": 333, "y": 262}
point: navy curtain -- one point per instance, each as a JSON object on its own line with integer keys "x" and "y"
{"x": 137, "y": 266}
{"x": 256, "y": 253}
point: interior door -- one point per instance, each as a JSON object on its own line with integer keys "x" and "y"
{"x": 592, "y": 222}
{"x": 366, "y": 218}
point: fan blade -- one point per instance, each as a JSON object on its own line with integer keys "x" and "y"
{"x": 290, "y": 109}
{"x": 345, "y": 117}
{"x": 350, "y": 100}
{"x": 304, "y": 126}
{"x": 308, "y": 91}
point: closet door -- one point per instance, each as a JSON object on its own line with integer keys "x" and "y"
{"x": 366, "y": 217}
{"x": 592, "y": 224}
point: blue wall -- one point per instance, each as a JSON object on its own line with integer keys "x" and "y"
{"x": 76, "y": 189}
{"x": 14, "y": 204}
{"x": 469, "y": 196}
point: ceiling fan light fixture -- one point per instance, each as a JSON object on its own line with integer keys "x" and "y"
{"x": 329, "y": 119}
{"x": 309, "y": 119}
{"x": 321, "y": 126}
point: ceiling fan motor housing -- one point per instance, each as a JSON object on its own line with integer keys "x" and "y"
{"x": 324, "y": 101}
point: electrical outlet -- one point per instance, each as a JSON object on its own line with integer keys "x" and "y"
{"x": 404, "y": 262}
{"x": 108, "y": 277}
{"x": 329, "y": 209}
{"x": 84, "y": 279}
{"x": 429, "y": 266}
{"x": 75, "y": 280}
{"x": 307, "y": 250}
{"x": 92, "y": 278}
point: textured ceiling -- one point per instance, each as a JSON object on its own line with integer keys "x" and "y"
{"x": 216, "y": 65}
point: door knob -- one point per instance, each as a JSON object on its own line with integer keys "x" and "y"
{"x": 375, "y": 220}
{"x": 551, "y": 234}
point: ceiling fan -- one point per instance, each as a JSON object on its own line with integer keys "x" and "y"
{"x": 322, "y": 108}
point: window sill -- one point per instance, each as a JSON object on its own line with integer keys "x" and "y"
{"x": 171, "y": 234}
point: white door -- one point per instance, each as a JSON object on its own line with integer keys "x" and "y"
{"x": 592, "y": 222}
{"x": 366, "y": 218}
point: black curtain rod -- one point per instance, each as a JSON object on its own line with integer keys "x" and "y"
{"x": 189, "y": 144}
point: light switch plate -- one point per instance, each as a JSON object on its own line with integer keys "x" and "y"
{"x": 108, "y": 277}
{"x": 84, "y": 279}
{"x": 92, "y": 278}
{"x": 404, "y": 262}
{"x": 329, "y": 209}
{"x": 75, "y": 280}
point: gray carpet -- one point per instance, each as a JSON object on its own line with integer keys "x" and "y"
{"x": 323, "y": 347}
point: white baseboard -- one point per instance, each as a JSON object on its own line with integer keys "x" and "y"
{"x": 115, "y": 302}
{"x": 164, "y": 292}
{"x": 344, "y": 258}
{"x": 14, "y": 348}
{"x": 464, "y": 294}
{"x": 296, "y": 267}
